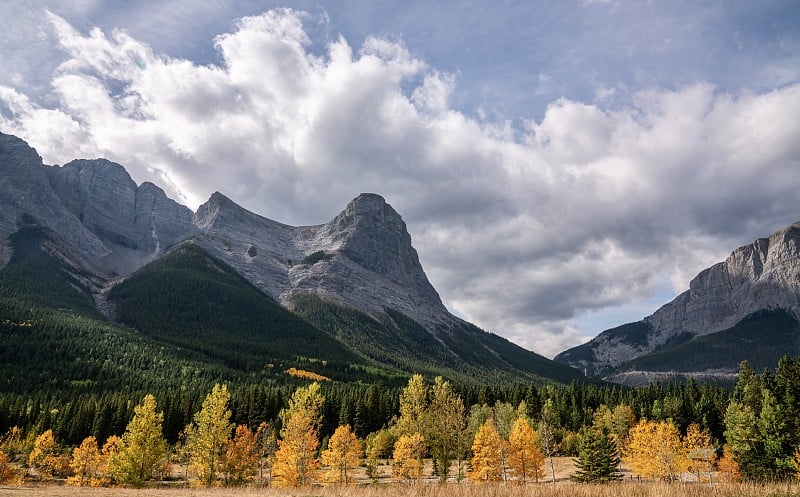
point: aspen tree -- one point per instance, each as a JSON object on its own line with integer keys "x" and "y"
{"x": 444, "y": 427}
{"x": 524, "y": 456}
{"x": 343, "y": 454}
{"x": 45, "y": 457}
{"x": 209, "y": 434}
{"x": 143, "y": 447}
{"x": 240, "y": 459}
{"x": 655, "y": 450}
{"x": 413, "y": 405}
{"x": 699, "y": 448}
{"x": 295, "y": 460}
{"x": 408, "y": 453}
{"x": 86, "y": 464}
{"x": 487, "y": 454}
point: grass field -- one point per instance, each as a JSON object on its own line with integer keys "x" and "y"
{"x": 431, "y": 488}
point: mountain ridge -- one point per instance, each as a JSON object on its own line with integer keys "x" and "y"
{"x": 362, "y": 258}
{"x": 761, "y": 276}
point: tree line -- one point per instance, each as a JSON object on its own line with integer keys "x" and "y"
{"x": 321, "y": 432}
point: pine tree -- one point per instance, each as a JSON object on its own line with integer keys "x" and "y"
{"x": 487, "y": 458}
{"x": 598, "y": 459}
{"x": 143, "y": 447}
{"x": 209, "y": 434}
{"x": 343, "y": 454}
{"x": 744, "y": 440}
{"x": 295, "y": 461}
{"x": 524, "y": 456}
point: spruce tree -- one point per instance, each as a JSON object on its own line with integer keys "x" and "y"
{"x": 598, "y": 460}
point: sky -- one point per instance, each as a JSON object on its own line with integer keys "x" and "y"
{"x": 562, "y": 167}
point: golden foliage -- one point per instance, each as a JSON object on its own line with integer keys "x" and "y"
{"x": 207, "y": 435}
{"x": 487, "y": 454}
{"x": 296, "y": 463}
{"x": 343, "y": 454}
{"x": 9, "y": 474}
{"x": 308, "y": 375}
{"x": 240, "y": 460}
{"x": 727, "y": 467}
{"x": 46, "y": 457}
{"x": 700, "y": 450}
{"x": 524, "y": 457}
{"x": 408, "y": 453}
{"x": 86, "y": 464}
{"x": 143, "y": 448}
{"x": 655, "y": 450}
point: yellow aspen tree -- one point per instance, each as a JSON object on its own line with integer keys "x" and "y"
{"x": 240, "y": 459}
{"x": 109, "y": 459}
{"x": 524, "y": 456}
{"x": 444, "y": 427}
{"x": 413, "y": 406}
{"x": 296, "y": 463}
{"x": 344, "y": 453}
{"x": 655, "y": 450}
{"x": 86, "y": 464}
{"x": 487, "y": 457}
{"x": 143, "y": 447}
{"x": 407, "y": 457}
{"x": 9, "y": 474}
{"x": 727, "y": 467}
{"x": 796, "y": 463}
{"x": 45, "y": 458}
{"x": 208, "y": 435}
{"x": 700, "y": 450}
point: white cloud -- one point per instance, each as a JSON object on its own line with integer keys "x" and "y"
{"x": 522, "y": 230}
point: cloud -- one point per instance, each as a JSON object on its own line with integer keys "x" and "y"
{"x": 525, "y": 230}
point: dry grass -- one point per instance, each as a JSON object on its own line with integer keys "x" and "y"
{"x": 428, "y": 490}
{"x": 431, "y": 488}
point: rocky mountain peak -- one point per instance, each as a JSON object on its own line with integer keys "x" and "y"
{"x": 16, "y": 154}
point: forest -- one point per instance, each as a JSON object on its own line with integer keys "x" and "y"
{"x": 314, "y": 432}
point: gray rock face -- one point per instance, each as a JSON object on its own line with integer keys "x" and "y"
{"x": 134, "y": 223}
{"x": 363, "y": 258}
{"x": 762, "y": 275}
{"x": 27, "y": 196}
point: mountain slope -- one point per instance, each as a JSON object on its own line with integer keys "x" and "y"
{"x": 757, "y": 287}
{"x": 112, "y": 234}
{"x": 192, "y": 300}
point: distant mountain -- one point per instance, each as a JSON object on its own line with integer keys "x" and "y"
{"x": 241, "y": 289}
{"x": 746, "y": 307}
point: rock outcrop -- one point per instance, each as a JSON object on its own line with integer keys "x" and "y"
{"x": 755, "y": 277}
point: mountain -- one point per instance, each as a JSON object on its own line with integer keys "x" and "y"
{"x": 744, "y": 308}
{"x": 241, "y": 289}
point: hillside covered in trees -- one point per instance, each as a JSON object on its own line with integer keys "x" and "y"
{"x": 320, "y": 432}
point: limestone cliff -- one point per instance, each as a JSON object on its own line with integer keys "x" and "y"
{"x": 759, "y": 276}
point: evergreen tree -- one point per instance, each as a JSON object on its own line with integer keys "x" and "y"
{"x": 598, "y": 459}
